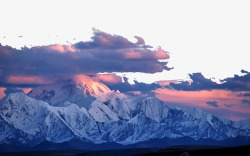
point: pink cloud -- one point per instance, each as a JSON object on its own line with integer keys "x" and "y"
{"x": 82, "y": 78}
{"x": 199, "y": 99}
{"x": 23, "y": 79}
{"x": 27, "y": 90}
{"x": 104, "y": 41}
{"x": 108, "y": 78}
{"x": 166, "y": 82}
{"x": 161, "y": 54}
{"x": 2, "y": 94}
{"x": 56, "y": 47}
{"x": 4, "y": 50}
{"x": 2, "y": 91}
{"x": 62, "y": 48}
{"x": 104, "y": 53}
{"x": 132, "y": 55}
{"x": 135, "y": 92}
{"x": 105, "y": 78}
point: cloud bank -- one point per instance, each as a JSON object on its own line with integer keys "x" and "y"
{"x": 104, "y": 53}
{"x": 199, "y": 82}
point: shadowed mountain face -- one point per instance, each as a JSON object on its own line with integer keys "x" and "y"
{"x": 90, "y": 112}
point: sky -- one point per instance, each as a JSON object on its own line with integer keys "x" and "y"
{"x": 149, "y": 45}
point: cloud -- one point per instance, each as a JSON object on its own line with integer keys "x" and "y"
{"x": 243, "y": 94}
{"x": 12, "y": 90}
{"x": 115, "y": 82}
{"x": 27, "y": 80}
{"x": 140, "y": 41}
{"x": 199, "y": 82}
{"x": 24, "y": 81}
{"x": 104, "y": 53}
{"x": 102, "y": 40}
{"x": 237, "y": 83}
{"x": 212, "y": 103}
{"x": 58, "y": 48}
{"x": 246, "y": 94}
{"x": 2, "y": 94}
{"x": 166, "y": 82}
{"x": 244, "y": 71}
{"x": 137, "y": 86}
{"x": 198, "y": 99}
{"x": 108, "y": 78}
{"x": 245, "y": 101}
{"x": 228, "y": 105}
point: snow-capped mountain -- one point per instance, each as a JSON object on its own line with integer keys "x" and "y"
{"x": 89, "y": 111}
{"x": 81, "y": 93}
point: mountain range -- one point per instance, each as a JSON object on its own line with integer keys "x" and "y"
{"x": 88, "y": 112}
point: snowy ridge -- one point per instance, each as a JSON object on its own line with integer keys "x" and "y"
{"x": 90, "y": 112}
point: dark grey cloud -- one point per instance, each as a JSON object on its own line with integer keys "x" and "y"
{"x": 246, "y": 102}
{"x": 228, "y": 105}
{"x": 212, "y": 103}
{"x": 246, "y": 94}
{"x": 12, "y": 90}
{"x": 140, "y": 40}
{"x": 199, "y": 82}
{"x": 244, "y": 71}
{"x": 13, "y": 85}
{"x": 137, "y": 86}
{"x": 237, "y": 83}
{"x": 243, "y": 95}
{"x": 107, "y": 41}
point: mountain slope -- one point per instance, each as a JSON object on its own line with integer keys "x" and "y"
{"x": 64, "y": 112}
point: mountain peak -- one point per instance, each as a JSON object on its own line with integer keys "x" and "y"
{"x": 77, "y": 91}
